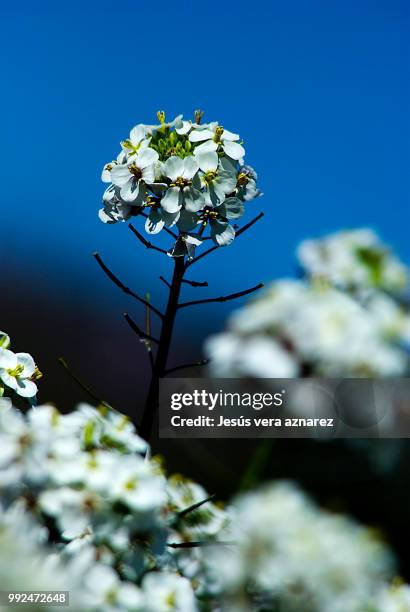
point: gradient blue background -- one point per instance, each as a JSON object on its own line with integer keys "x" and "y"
{"x": 318, "y": 90}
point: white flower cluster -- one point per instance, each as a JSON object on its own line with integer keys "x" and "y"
{"x": 25, "y": 559}
{"x": 17, "y": 371}
{"x": 287, "y": 554}
{"x": 84, "y": 509}
{"x": 184, "y": 174}
{"x": 110, "y": 511}
{"x": 355, "y": 259}
{"x": 310, "y": 327}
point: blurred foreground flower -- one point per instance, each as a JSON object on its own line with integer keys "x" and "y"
{"x": 310, "y": 327}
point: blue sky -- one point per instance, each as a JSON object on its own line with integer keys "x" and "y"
{"x": 318, "y": 90}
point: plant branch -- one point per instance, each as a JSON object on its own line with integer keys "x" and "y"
{"x": 214, "y": 248}
{"x": 203, "y": 362}
{"x": 195, "y": 283}
{"x": 80, "y": 383}
{"x": 183, "y": 513}
{"x": 164, "y": 280}
{"x": 222, "y": 298}
{"x": 144, "y": 241}
{"x": 123, "y": 287}
{"x": 198, "y": 544}
{"x": 140, "y": 333}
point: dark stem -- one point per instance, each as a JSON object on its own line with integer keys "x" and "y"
{"x": 160, "y": 363}
{"x": 123, "y": 287}
{"x": 195, "y": 283}
{"x": 214, "y": 248}
{"x": 140, "y": 333}
{"x": 187, "y": 365}
{"x": 145, "y": 242}
{"x": 80, "y": 383}
{"x": 222, "y": 298}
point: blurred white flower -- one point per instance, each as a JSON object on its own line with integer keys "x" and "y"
{"x": 354, "y": 259}
{"x": 166, "y": 592}
{"x": 295, "y": 556}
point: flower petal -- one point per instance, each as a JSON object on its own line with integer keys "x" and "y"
{"x": 233, "y": 150}
{"x": 26, "y": 360}
{"x": 120, "y": 175}
{"x": 207, "y": 146}
{"x": 224, "y": 184}
{"x": 184, "y": 127}
{"x": 26, "y": 388}
{"x": 207, "y": 161}
{"x": 191, "y": 167}
{"x": 154, "y": 223}
{"x": 137, "y": 134}
{"x": 222, "y": 233}
{"x": 198, "y": 135}
{"x": 148, "y": 174}
{"x": 232, "y": 208}
{"x": 146, "y": 157}
{"x": 8, "y": 359}
{"x": 230, "y": 136}
{"x": 172, "y": 200}
{"x": 8, "y": 380}
{"x": 133, "y": 192}
{"x": 173, "y": 167}
{"x": 193, "y": 199}
{"x": 187, "y": 221}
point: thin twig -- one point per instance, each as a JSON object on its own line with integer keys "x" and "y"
{"x": 222, "y": 298}
{"x": 195, "y": 283}
{"x": 140, "y": 333}
{"x": 214, "y": 248}
{"x": 123, "y": 287}
{"x": 164, "y": 280}
{"x": 203, "y": 362}
{"x": 198, "y": 544}
{"x": 144, "y": 241}
{"x": 80, "y": 383}
{"x": 148, "y": 332}
{"x": 183, "y": 513}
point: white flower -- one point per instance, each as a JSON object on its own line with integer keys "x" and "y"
{"x": 114, "y": 209}
{"x": 354, "y": 259}
{"x": 184, "y": 190}
{"x": 4, "y": 340}
{"x": 133, "y": 176}
{"x": 105, "y": 591}
{"x": 166, "y": 592}
{"x": 232, "y": 356}
{"x": 393, "y": 599}
{"x": 212, "y": 136}
{"x": 17, "y": 371}
{"x": 298, "y": 556}
{"x": 137, "y": 141}
{"x": 137, "y": 485}
{"x": 106, "y": 171}
{"x": 217, "y": 181}
{"x": 246, "y": 184}
{"x": 71, "y": 508}
{"x": 219, "y": 216}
